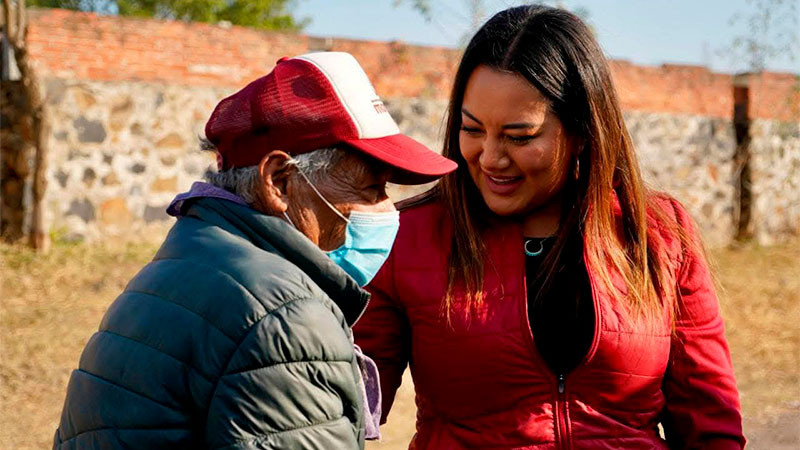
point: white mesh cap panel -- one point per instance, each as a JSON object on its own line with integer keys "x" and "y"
{"x": 356, "y": 93}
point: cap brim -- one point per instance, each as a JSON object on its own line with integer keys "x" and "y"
{"x": 414, "y": 163}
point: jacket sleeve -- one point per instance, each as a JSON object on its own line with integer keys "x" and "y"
{"x": 702, "y": 401}
{"x": 383, "y": 334}
{"x": 291, "y": 383}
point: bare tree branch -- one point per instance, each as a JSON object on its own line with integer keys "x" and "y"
{"x": 7, "y": 19}
{"x": 22, "y": 27}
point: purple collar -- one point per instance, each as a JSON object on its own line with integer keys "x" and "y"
{"x": 200, "y": 189}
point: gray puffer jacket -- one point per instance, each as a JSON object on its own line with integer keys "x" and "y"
{"x": 236, "y": 336}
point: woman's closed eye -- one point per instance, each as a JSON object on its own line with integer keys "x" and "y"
{"x": 471, "y": 130}
{"x": 521, "y": 139}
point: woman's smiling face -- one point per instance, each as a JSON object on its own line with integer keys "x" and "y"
{"x": 516, "y": 149}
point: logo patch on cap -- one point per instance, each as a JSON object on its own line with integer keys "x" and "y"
{"x": 380, "y": 108}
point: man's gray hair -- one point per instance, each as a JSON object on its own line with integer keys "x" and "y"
{"x": 244, "y": 181}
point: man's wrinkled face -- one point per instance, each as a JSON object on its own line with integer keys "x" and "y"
{"x": 356, "y": 183}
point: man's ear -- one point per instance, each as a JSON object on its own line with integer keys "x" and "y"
{"x": 273, "y": 171}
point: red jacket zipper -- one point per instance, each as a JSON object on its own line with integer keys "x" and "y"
{"x": 562, "y": 419}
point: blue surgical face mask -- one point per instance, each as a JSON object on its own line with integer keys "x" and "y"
{"x": 368, "y": 239}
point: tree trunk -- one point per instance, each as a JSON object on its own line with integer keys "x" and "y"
{"x": 15, "y": 23}
{"x": 38, "y": 238}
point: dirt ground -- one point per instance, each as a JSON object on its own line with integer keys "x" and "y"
{"x": 51, "y": 304}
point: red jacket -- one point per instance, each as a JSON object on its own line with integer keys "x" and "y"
{"x": 484, "y": 385}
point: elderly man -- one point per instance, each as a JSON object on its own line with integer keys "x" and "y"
{"x": 237, "y": 334}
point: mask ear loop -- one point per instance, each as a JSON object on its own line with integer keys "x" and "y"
{"x": 290, "y": 162}
{"x": 314, "y": 188}
{"x": 286, "y": 216}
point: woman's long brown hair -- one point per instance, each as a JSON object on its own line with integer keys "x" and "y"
{"x": 558, "y": 55}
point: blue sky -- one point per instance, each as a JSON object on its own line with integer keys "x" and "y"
{"x": 648, "y": 32}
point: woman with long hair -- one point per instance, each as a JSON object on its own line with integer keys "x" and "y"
{"x": 543, "y": 296}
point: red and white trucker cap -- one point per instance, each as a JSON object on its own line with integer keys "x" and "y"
{"x": 315, "y": 101}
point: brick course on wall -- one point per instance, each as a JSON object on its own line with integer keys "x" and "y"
{"x": 129, "y": 97}
{"x": 93, "y": 47}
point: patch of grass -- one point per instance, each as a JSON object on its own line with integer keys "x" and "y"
{"x": 759, "y": 290}
{"x": 51, "y": 304}
{"x": 49, "y": 307}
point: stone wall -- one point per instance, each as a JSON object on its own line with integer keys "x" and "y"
{"x": 775, "y": 165}
{"x": 120, "y": 152}
{"x": 691, "y": 158}
{"x": 129, "y": 97}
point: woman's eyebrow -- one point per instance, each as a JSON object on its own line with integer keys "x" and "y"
{"x": 509, "y": 126}
{"x": 468, "y": 114}
{"x": 519, "y": 125}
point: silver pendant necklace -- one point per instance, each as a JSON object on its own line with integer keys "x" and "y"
{"x": 536, "y": 252}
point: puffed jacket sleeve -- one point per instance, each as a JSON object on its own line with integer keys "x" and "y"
{"x": 702, "y": 401}
{"x": 383, "y": 334}
{"x": 290, "y": 384}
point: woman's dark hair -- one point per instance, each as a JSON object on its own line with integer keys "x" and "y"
{"x": 557, "y": 54}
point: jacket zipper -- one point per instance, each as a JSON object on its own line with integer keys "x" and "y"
{"x": 560, "y": 412}
{"x": 564, "y": 439}
{"x": 363, "y": 310}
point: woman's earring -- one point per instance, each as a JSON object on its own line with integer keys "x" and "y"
{"x": 577, "y": 167}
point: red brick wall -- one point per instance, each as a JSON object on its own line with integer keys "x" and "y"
{"x": 73, "y": 45}
{"x": 775, "y": 95}
{"x": 673, "y": 89}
